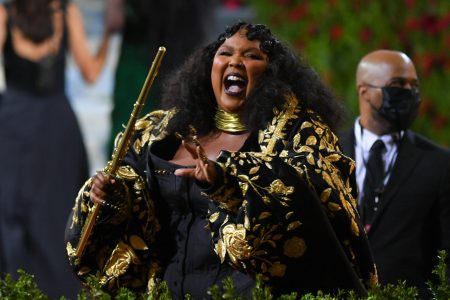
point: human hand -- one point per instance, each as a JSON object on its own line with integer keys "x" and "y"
{"x": 106, "y": 191}
{"x": 204, "y": 170}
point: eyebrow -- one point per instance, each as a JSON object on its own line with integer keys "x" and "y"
{"x": 246, "y": 49}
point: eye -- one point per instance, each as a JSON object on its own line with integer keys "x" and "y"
{"x": 253, "y": 55}
{"x": 224, "y": 52}
{"x": 403, "y": 83}
{"x": 396, "y": 83}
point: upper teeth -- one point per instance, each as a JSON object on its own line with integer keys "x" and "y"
{"x": 235, "y": 78}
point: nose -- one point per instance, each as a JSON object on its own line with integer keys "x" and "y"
{"x": 235, "y": 63}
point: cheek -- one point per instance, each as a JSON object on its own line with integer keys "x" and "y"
{"x": 255, "y": 73}
{"x": 216, "y": 75}
{"x": 377, "y": 99}
{"x": 373, "y": 98}
{"x": 257, "y": 69}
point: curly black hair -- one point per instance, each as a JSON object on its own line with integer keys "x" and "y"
{"x": 190, "y": 90}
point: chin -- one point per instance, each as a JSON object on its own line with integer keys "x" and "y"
{"x": 232, "y": 105}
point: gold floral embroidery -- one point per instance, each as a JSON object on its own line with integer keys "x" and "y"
{"x": 312, "y": 153}
{"x": 325, "y": 195}
{"x": 289, "y": 215}
{"x": 83, "y": 193}
{"x": 294, "y": 247}
{"x": 83, "y": 271}
{"x": 290, "y": 108}
{"x": 277, "y": 187}
{"x": 153, "y": 275}
{"x": 235, "y": 243}
{"x": 70, "y": 249}
{"x": 121, "y": 258}
{"x": 277, "y": 269}
{"x": 264, "y": 215}
{"x": 373, "y": 279}
{"x": 148, "y": 124}
{"x": 137, "y": 243}
{"x": 213, "y": 217}
{"x": 293, "y": 225}
{"x": 311, "y": 140}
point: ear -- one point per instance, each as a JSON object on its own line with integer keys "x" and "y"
{"x": 362, "y": 92}
{"x": 361, "y": 89}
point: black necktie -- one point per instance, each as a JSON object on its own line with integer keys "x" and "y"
{"x": 373, "y": 182}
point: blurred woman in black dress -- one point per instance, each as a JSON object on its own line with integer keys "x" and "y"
{"x": 43, "y": 157}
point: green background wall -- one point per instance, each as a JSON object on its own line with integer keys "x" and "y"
{"x": 333, "y": 35}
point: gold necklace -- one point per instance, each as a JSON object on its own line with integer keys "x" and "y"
{"x": 228, "y": 122}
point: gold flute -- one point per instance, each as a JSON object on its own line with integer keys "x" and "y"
{"x": 122, "y": 147}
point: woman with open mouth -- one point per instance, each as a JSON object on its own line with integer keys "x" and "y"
{"x": 239, "y": 175}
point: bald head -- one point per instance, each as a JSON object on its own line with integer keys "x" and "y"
{"x": 380, "y": 66}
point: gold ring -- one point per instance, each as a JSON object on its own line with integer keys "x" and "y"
{"x": 204, "y": 159}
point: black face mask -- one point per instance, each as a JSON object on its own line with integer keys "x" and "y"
{"x": 400, "y": 106}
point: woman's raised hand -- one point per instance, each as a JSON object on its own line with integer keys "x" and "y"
{"x": 204, "y": 170}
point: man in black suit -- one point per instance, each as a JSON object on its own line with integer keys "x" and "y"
{"x": 405, "y": 205}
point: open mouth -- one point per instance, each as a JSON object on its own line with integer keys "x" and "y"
{"x": 234, "y": 84}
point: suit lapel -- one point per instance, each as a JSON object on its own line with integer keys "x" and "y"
{"x": 407, "y": 158}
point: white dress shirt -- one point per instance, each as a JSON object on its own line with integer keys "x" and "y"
{"x": 364, "y": 140}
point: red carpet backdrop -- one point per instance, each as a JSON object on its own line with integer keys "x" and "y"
{"x": 333, "y": 35}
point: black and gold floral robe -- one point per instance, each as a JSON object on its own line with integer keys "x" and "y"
{"x": 285, "y": 210}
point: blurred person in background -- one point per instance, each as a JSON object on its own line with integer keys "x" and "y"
{"x": 43, "y": 156}
{"x": 180, "y": 26}
{"x": 403, "y": 178}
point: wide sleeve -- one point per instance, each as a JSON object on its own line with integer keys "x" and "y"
{"x": 120, "y": 248}
{"x": 288, "y": 210}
